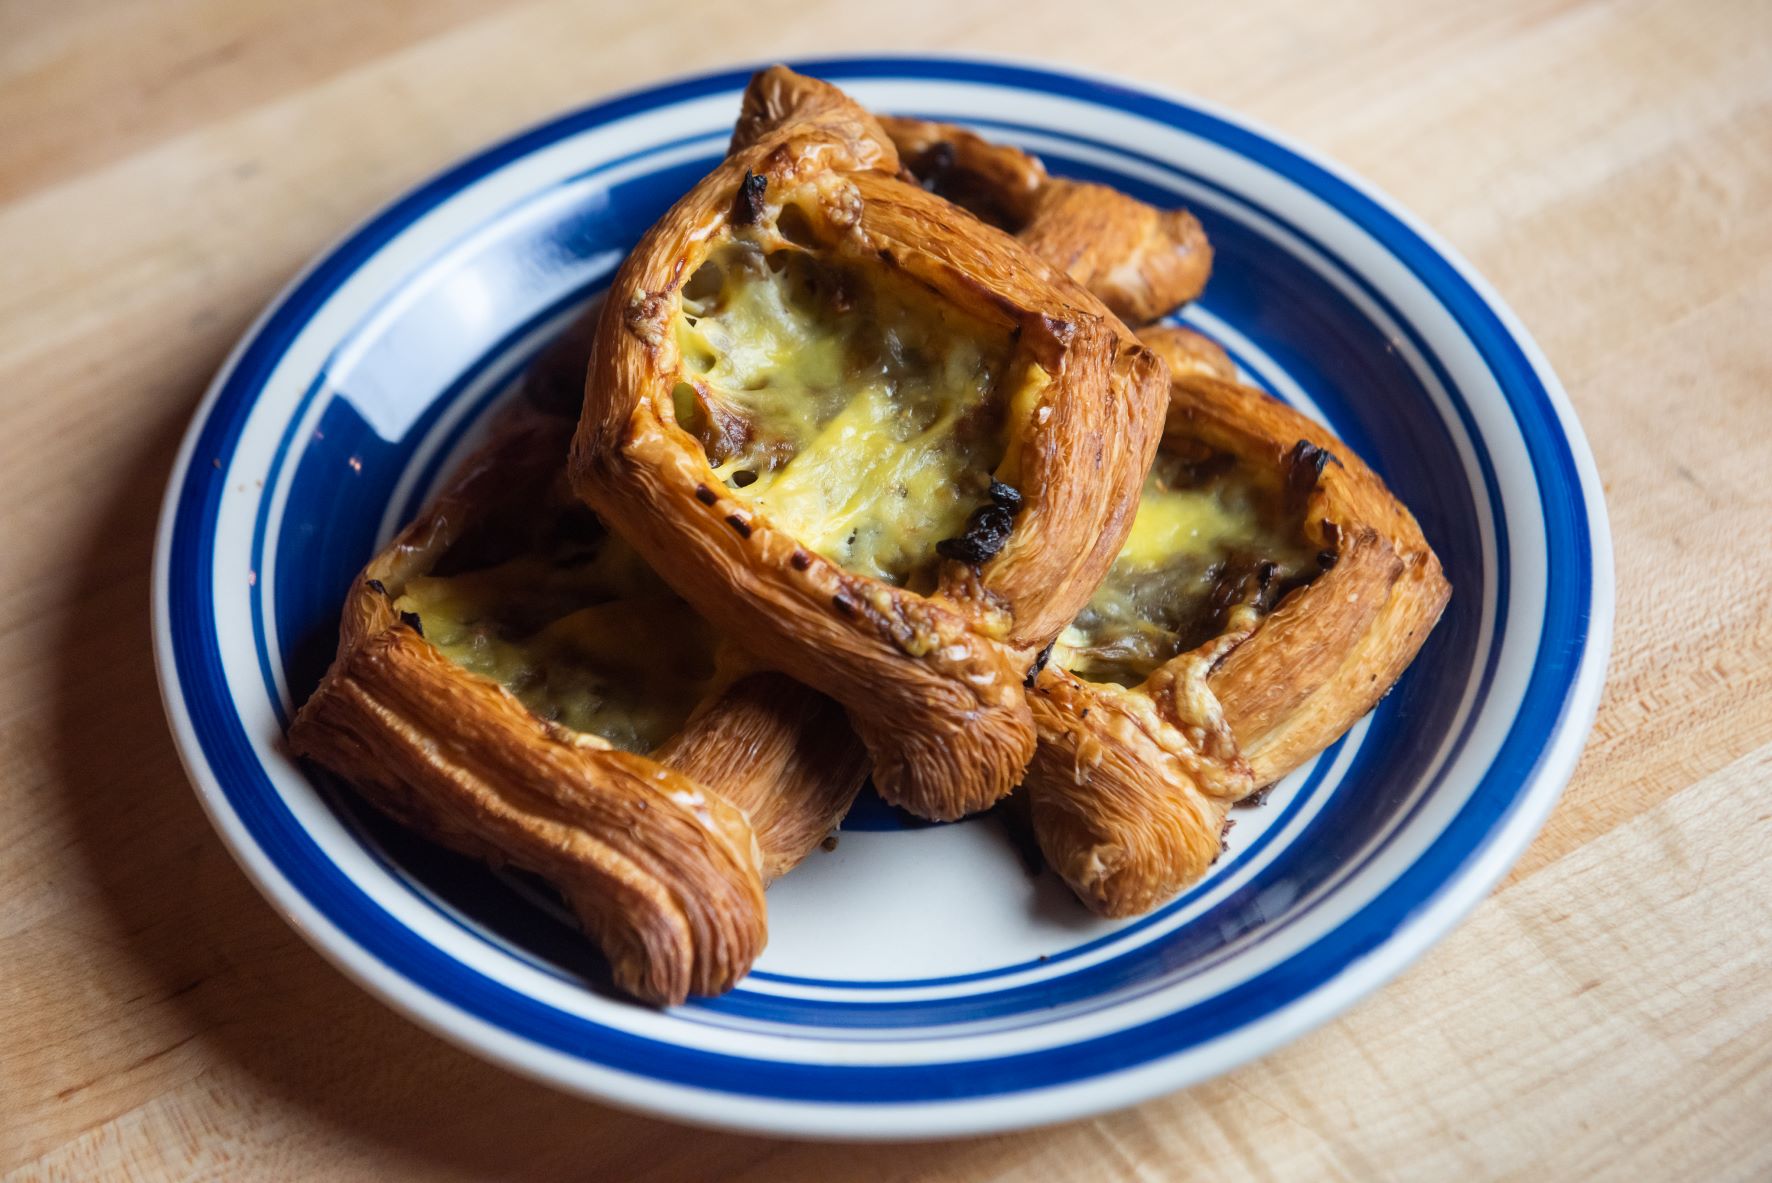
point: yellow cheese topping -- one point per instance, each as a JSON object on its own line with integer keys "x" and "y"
{"x": 863, "y": 417}
{"x": 1197, "y": 526}
{"x": 1174, "y": 523}
{"x": 580, "y": 630}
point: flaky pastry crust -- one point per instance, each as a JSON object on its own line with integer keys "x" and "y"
{"x": 1142, "y": 262}
{"x": 932, "y": 679}
{"x": 1130, "y": 786}
{"x": 662, "y": 856}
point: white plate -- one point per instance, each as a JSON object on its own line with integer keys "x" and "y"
{"x": 917, "y": 981}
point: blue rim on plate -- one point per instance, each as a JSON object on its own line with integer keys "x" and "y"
{"x": 916, "y": 984}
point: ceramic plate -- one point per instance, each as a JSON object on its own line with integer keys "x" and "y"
{"x": 918, "y": 981}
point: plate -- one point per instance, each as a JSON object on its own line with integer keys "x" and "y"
{"x": 918, "y": 981}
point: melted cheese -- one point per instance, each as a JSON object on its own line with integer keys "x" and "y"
{"x": 592, "y": 641}
{"x": 1173, "y": 524}
{"x": 1157, "y": 600}
{"x": 863, "y": 418}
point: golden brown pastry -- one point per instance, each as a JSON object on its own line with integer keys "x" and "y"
{"x": 876, "y": 440}
{"x": 514, "y": 683}
{"x": 1270, "y": 593}
{"x": 1142, "y": 262}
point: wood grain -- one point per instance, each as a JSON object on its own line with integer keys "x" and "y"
{"x": 163, "y": 170}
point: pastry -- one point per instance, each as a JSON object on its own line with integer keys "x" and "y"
{"x": 878, "y": 441}
{"x": 1142, "y": 262}
{"x": 514, "y": 683}
{"x": 1270, "y": 593}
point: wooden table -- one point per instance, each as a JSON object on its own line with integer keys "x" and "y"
{"x": 165, "y": 167}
